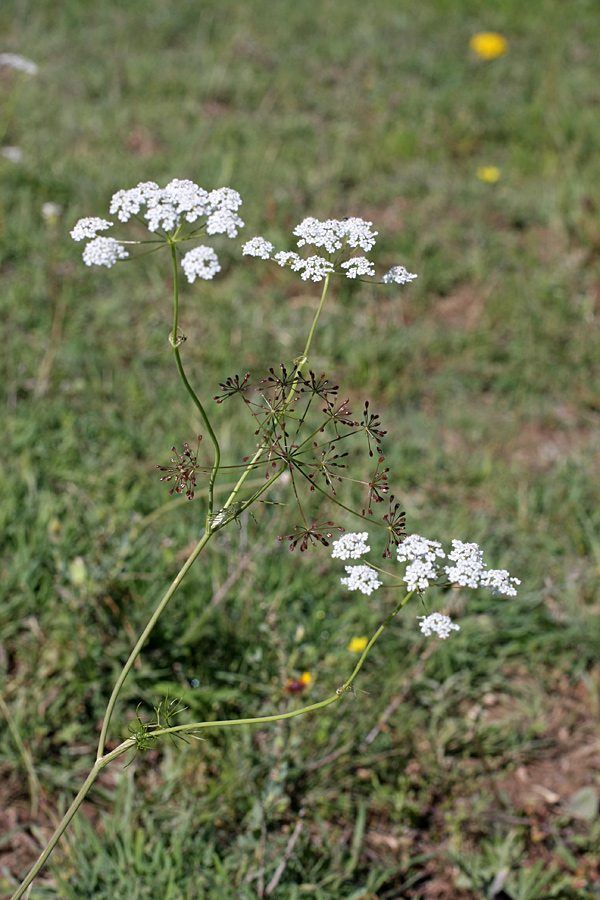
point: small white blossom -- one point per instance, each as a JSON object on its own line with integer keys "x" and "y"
{"x": 332, "y": 234}
{"x": 180, "y": 201}
{"x": 498, "y": 581}
{"x": 416, "y": 547}
{"x": 315, "y": 268}
{"x": 51, "y": 211}
{"x": 351, "y": 546}
{"x": 225, "y": 198}
{"x": 14, "y": 154}
{"x": 361, "y": 578}
{"x": 420, "y": 573}
{"x": 103, "y": 251}
{"x": 469, "y": 564}
{"x": 358, "y": 233}
{"x": 284, "y": 258}
{"x": 257, "y": 246}
{"x": 318, "y": 234}
{"x": 14, "y": 61}
{"x": 201, "y": 262}
{"x": 398, "y": 275}
{"x": 223, "y": 221}
{"x": 358, "y": 265}
{"x": 421, "y": 554}
{"x": 437, "y": 623}
{"x": 88, "y": 227}
{"x": 128, "y": 203}
{"x": 470, "y": 571}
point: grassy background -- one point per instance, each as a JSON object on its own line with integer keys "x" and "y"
{"x": 485, "y": 372}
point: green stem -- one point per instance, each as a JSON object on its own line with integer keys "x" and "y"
{"x": 315, "y": 320}
{"x": 190, "y": 390}
{"x": 278, "y": 717}
{"x": 144, "y": 636}
{"x": 66, "y": 819}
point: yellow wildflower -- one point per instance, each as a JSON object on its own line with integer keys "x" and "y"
{"x": 297, "y": 685}
{"x": 490, "y": 174}
{"x": 357, "y": 644}
{"x": 488, "y": 44}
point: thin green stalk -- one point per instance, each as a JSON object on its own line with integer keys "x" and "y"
{"x": 190, "y": 390}
{"x": 144, "y": 636}
{"x": 315, "y": 320}
{"x": 68, "y": 816}
{"x": 278, "y": 717}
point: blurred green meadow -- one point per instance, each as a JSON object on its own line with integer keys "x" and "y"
{"x": 460, "y": 769}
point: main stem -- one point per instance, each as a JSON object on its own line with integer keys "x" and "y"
{"x": 144, "y": 637}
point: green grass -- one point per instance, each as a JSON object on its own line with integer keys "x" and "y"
{"x": 485, "y": 372}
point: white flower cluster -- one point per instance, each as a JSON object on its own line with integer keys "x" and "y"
{"x": 423, "y": 569}
{"x": 180, "y": 202}
{"x": 201, "y": 262}
{"x": 358, "y": 265}
{"x": 361, "y": 578}
{"x": 89, "y": 227}
{"x": 398, "y": 275}
{"x": 350, "y": 546}
{"x": 498, "y": 581}
{"x": 421, "y": 554}
{"x": 14, "y": 61}
{"x": 257, "y": 246}
{"x": 103, "y": 251}
{"x": 437, "y": 623}
{"x": 333, "y": 234}
{"x": 337, "y": 237}
{"x": 471, "y": 571}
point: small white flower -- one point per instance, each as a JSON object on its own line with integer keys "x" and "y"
{"x": 437, "y": 623}
{"x": 103, "y": 251}
{"x": 498, "y": 581}
{"x": 223, "y": 221}
{"x": 284, "y": 258}
{"x": 225, "y": 198}
{"x": 128, "y": 203}
{"x": 257, "y": 246}
{"x": 419, "y": 574}
{"x": 14, "y": 61}
{"x": 201, "y": 262}
{"x": 315, "y": 268}
{"x": 318, "y": 234}
{"x": 51, "y": 211}
{"x": 361, "y": 578}
{"x": 351, "y": 546}
{"x": 421, "y": 554}
{"x": 358, "y": 233}
{"x": 358, "y": 265}
{"x": 332, "y": 234}
{"x": 398, "y": 275}
{"x": 469, "y": 564}
{"x": 180, "y": 201}
{"x": 416, "y": 547}
{"x": 88, "y": 227}
{"x": 14, "y": 154}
